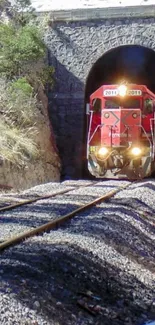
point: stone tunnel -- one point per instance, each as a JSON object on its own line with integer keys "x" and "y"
{"x": 88, "y": 51}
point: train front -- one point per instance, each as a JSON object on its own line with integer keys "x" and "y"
{"x": 118, "y": 145}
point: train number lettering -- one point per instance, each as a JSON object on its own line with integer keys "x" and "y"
{"x": 110, "y": 92}
{"x": 134, "y": 92}
{"x": 115, "y": 92}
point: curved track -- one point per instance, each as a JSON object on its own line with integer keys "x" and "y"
{"x": 58, "y": 221}
{"x": 42, "y": 197}
{"x": 107, "y": 249}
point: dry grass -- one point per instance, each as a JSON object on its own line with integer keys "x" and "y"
{"x": 17, "y": 108}
{"x": 17, "y": 146}
{"x": 17, "y": 125}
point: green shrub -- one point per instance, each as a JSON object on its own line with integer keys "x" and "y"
{"x": 21, "y": 50}
{"x": 21, "y": 85}
{"x": 19, "y": 46}
{"x": 18, "y": 104}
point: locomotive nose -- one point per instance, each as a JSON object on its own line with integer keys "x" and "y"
{"x": 120, "y": 126}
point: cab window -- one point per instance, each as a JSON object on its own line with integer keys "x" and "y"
{"x": 97, "y": 104}
{"x": 148, "y": 106}
{"x": 112, "y": 103}
{"x": 131, "y": 103}
{"x": 127, "y": 102}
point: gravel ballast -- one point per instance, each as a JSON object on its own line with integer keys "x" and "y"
{"x": 97, "y": 268}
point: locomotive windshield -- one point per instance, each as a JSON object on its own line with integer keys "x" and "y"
{"x": 116, "y": 102}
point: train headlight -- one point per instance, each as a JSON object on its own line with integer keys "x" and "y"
{"x": 134, "y": 115}
{"x": 103, "y": 152}
{"x": 122, "y": 90}
{"x": 136, "y": 151}
{"x": 106, "y": 115}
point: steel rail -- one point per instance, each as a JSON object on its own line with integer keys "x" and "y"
{"x": 57, "y": 222}
{"x": 43, "y": 197}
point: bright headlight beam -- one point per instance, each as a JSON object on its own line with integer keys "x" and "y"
{"x": 136, "y": 151}
{"x": 103, "y": 151}
{"x": 122, "y": 90}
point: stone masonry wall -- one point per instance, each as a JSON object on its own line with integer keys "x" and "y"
{"x": 74, "y": 47}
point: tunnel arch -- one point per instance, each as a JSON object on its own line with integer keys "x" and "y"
{"x": 74, "y": 49}
{"x": 132, "y": 63}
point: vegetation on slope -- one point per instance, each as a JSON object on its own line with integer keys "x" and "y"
{"x": 22, "y": 71}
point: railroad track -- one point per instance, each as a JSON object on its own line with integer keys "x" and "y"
{"x": 106, "y": 252}
{"x": 58, "y": 221}
{"x": 33, "y": 200}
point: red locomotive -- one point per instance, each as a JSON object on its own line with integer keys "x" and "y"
{"x": 121, "y": 132}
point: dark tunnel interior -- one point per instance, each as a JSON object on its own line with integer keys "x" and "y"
{"x": 130, "y": 63}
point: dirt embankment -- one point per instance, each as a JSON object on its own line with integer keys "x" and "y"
{"x": 46, "y": 167}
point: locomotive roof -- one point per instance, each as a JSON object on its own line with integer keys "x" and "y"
{"x": 143, "y": 88}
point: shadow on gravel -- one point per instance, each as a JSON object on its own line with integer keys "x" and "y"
{"x": 133, "y": 203}
{"x": 36, "y": 215}
{"x": 52, "y": 279}
{"x": 147, "y": 185}
{"x": 118, "y": 228}
{"x": 43, "y": 211}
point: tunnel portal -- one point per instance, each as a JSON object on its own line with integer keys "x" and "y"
{"x": 87, "y": 52}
